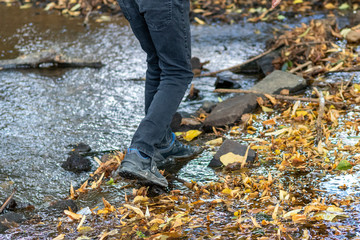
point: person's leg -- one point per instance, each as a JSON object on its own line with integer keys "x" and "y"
{"x": 140, "y": 29}
{"x": 135, "y": 165}
{"x": 168, "y": 23}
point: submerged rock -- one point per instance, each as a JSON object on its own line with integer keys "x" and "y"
{"x": 9, "y": 220}
{"x": 64, "y": 205}
{"x": 234, "y": 147}
{"x": 76, "y": 163}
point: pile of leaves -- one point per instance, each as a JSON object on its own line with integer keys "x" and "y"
{"x": 283, "y": 200}
{"x": 319, "y": 48}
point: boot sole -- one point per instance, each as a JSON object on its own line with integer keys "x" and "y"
{"x": 130, "y": 174}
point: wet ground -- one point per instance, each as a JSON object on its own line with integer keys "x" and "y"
{"x": 43, "y": 111}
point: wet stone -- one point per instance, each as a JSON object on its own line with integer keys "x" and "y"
{"x": 9, "y": 219}
{"x": 76, "y": 163}
{"x": 183, "y": 122}
{"x": 279, "y": 80}
{"x": 64, "y": 205}
{"x": 234, "y": 147}
{"x": 225, "y": 82}
{"x": 208, "y": 106}
{"x": 80, "y": 148}
{"x": 231, "y": 110}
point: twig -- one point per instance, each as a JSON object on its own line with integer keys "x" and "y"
{"x": 282, "y": 97}
{"x": 211, "y": 74}
{"x": 300, "y": 67}
{"x": 349, "y": 69}
{"x": 7, "y": 201}
{"x": 319, "y": 129}
{"x": 350, "y": 80}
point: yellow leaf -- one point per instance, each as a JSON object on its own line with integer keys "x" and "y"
{"x": 84, "y": 229}
{"x": 191, "y": 134}
{"x": 298, "y": 218}
{"x": 59, "y": 237}
{"x": 301, "y": 113}
{"x": 135, "y": 209}
{"x": 215, "y": 142}
{"x": 231, "y": 158}
{"x": 72, "y": 215}
{"x": 297, "y": 1}
{"x": 330, "y": 6}
{"x": 139, "y": 199}
{"x": 199, "y": 21}
{"x": 266, "y": 109}
{"x": 291, "y": 213}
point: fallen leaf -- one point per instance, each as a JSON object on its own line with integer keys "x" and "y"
{"x": 135, "y": 209}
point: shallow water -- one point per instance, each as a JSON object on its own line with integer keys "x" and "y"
{"x": 43, "y": 111}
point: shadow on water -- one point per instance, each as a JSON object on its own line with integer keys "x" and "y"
{"x": 43, "y": 111}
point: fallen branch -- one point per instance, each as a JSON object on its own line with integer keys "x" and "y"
{"x": 319, "y": 130}
{"x": 7, "y": 201}
{"x": 212, "y": 74}
{"x": 49, "y": 58}
{"x": 282, "y": 97}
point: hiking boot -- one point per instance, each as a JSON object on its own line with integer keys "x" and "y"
{"x": 177, "y": 150}
{"x": 136, "y": 167}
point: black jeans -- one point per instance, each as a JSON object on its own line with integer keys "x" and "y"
{"x": 163, "y": 30}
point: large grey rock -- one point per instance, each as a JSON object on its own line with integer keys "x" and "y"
{"x": 8, "y": 219}
{"x": 279, "y": 80}
{"x": 231, "y": 110}
{"x": 234, "y": 147}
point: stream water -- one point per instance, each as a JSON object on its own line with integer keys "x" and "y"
{"x": 43, "y": 111}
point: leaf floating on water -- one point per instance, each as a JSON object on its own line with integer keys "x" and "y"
{"x": 344, "y": 165}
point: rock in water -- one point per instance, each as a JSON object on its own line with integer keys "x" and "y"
{"x": 234, "y": 147}
{"x": 64, "y": 205}
{"x": 224, "y": 82}
{"x": 8, "y": 219}
{"x": 279, "y": 80}
{"x": 76, "y": 163}
{"x": 80, "y": 148}
{"x": 231, "y": 110}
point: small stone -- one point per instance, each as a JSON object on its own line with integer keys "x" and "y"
{"x": 234, "y": 147}
{"x": 227, "y": 83}
{"x": 8, "y": 219}
{"x": 64, "y": 205}
{"x": 76, "y": 163}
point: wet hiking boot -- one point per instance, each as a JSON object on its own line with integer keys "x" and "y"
{"x": 177, "y": 150}
{"x": 136, "y": 167}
